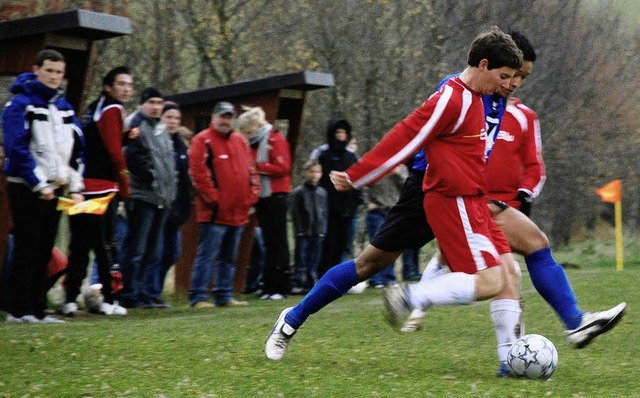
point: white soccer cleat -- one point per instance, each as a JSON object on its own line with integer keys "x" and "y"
{"x": 396, "y": 305}
{"x": 413, "y": 324}
{"x": 594, "y": 324}
{"x": 279, "y": 338}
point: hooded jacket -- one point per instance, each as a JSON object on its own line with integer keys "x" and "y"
{"x": 334, "y": 155}
{"x": 226, "y": 186}
{"x": 43, "y": 140}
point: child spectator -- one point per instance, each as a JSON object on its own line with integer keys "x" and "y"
{"x": 309, "y": 208}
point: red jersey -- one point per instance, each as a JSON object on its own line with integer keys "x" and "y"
{"x": 515, "y": 163}
{"x": 450, "y": 126}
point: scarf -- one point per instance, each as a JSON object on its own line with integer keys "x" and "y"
{"x": 261, "y": 139}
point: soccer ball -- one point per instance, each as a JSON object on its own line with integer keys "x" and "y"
{"x": 533, "y": 356}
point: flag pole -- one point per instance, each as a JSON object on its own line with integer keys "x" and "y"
{"x": 612, "y": 193}
{"x": 617, "y": 206}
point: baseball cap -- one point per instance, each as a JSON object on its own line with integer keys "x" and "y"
{"x": 224, "y": 108}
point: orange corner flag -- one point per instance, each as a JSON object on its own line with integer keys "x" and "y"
{"x": 611, "y": 192}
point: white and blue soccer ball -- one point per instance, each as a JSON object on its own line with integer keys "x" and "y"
{"x": 533, "y": 356}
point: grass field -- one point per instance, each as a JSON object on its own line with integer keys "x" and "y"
{"x": 346, "y": 350}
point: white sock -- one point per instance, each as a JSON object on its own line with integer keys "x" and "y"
{"x": 417, "y": 313}
{"x": 505, "y": 314}
{"x": 434, "y": 268}
{"x": 453, "y": 288}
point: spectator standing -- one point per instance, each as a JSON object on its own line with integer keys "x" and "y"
{"x": 309, "y": 212}
{"x": 343, "y": 206}
{"x": 151, "y": 162}
{"x": 380, "y": 198}
{"x": 171, "y": 241}
{"x": 105, "y": 173}
{"x": 272, "y": 155}
{"x": 43, "y": 144}
{"x": 224, "y": 178}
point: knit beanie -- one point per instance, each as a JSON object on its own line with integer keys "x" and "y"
{"x": 149, "y": 92}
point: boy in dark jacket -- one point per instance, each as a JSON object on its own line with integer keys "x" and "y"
{"x": 309, "y": 211}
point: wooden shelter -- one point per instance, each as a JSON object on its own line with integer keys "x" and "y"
{"x": 282, "y": 97}
{"x": 70, "y": 32}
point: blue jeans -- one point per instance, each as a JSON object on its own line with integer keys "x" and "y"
{"x": 307, "y": 256}
{"x": 215, "y": 257}
{"x": 410, "y": 264}
{"x": 168, "y": 253}
{"x": 256, "y": 270}
{"x": 146, "y": 223}
{"x": 374, "y": 220}
{"x": 351, "y": 236}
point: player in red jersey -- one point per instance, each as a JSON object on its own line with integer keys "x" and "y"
{"x": 451, "y": 121}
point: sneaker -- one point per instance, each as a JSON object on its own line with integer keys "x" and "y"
{"x": 159, "y": 304}
{"x": 14, "y": 319}
{"x": 297, "y": 290}
{"x": 279, "y": 338}
{"x": 234, "y": 303}
{"x": 203, "y": 305}
{"x": 112, "y": 309}
{"x": 504, "y": 370}
{"x": 276, "y": 296}
{"x": 594, "y": 324}
{"x": 396, "y": 305}
{"x": 51, "y": 319}
{"x": 413, "y": 324}
{"x": 70, "y": 309}
{"x": 265, "y": 296}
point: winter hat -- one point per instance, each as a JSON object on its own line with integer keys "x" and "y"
{"x": 149, "y": 92}
{"x": 169, "y": 105}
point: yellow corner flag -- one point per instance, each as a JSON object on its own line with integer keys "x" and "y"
{"x": 612, "y": 193}
{"x": 97, "y": 206}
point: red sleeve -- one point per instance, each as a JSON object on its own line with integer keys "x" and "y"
{"x": 435, "y": 117}
{"x": 199, "y": 171}
{"x": 533, "y": 174}
{"x": 279, "y": 163}
{"x": 110, "y": 127}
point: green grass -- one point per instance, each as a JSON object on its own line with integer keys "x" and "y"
{"x": 346, "y": 350}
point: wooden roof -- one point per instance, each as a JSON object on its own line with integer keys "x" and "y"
{"x": 75, "y": 23}
{"x": 304, "y": 80}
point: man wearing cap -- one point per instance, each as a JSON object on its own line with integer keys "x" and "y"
{"x": 227, "y": 186}
{"x": 153, "y": 185}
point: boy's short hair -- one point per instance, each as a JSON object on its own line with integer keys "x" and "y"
{"x": 309, "y": 164}
{"x": 49, "y": 55}
{"x": 110, "y": 77}
{"x": 496, "y": 47}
